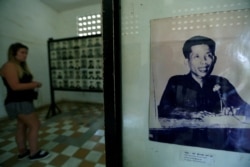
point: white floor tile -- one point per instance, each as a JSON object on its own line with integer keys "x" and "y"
{"x": 71, "y": 162}
{"x": 100, "y": 165}
{"x": 70, "y": 150}
{"x": 66, "y": 127}
{"x": 68, "y": 133}
{"x": 99, "y": 132}
{"x": 102, "y": 140}
{"x": 83, "y": 129}
{"x": 89, "y": 145}
{"x": 52, "y": 130}
{"x": 93, "y": 156}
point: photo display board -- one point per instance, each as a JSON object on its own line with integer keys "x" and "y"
{"x": 199, "y": 90}
{"x": 76, "y": 63}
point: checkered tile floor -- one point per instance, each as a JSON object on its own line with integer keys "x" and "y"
{"x": 74, "y": 138}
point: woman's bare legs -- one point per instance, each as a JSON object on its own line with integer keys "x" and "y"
{"x": 32, "y": 124}
{"x": 21, "y": 136}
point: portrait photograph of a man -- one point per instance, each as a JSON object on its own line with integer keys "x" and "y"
{"x": 199, "y": 93}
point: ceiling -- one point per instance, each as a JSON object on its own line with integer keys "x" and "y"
{"x": 64, "y": 5}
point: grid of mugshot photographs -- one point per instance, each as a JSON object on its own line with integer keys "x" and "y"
{"x": 77, "y": 64}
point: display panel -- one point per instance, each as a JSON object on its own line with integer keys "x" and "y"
{"x": 76, "y": 63}
{"x": 197, "y": 99}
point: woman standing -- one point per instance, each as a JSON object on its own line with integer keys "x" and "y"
{"x": 19, "y": 101}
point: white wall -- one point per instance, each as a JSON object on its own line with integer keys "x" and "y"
{"x": 32, "y": 23}
{"x": 68, "y": 19}
{"x": 138, "y": 150}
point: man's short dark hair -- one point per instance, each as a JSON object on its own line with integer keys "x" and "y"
{"x": 198, "y": 40}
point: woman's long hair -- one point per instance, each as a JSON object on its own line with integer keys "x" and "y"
{"x": 22, "y": 67}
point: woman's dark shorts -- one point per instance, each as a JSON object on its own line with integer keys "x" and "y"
{"x": 15, "y": 108}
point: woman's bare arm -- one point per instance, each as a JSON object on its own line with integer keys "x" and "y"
{"x": 9, "y": 72}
